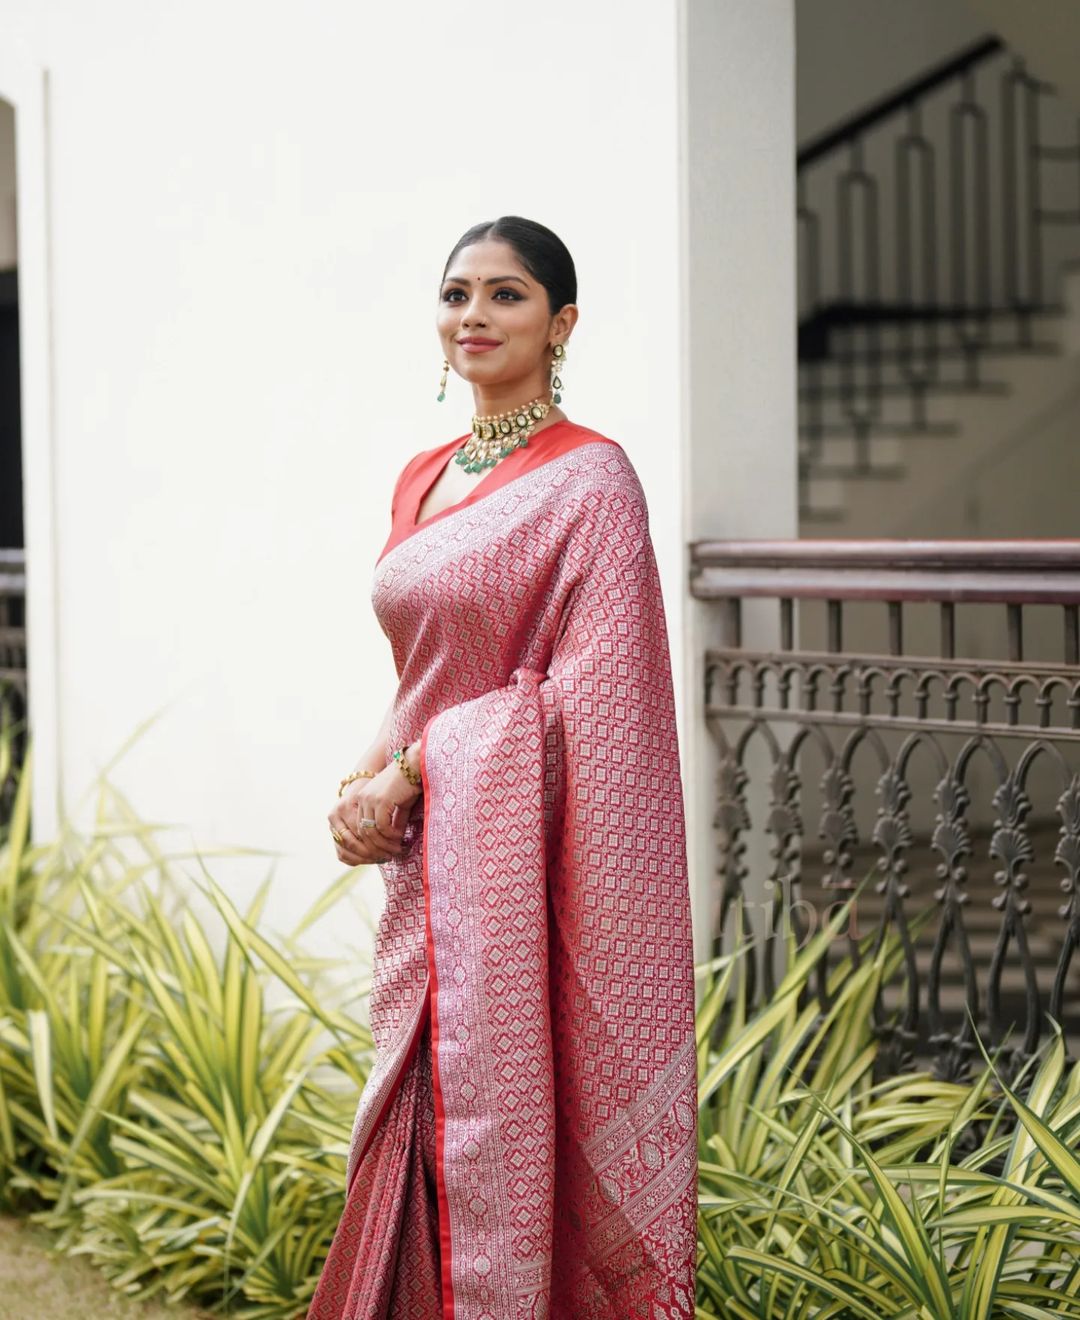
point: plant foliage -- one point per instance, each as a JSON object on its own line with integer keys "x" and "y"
{"x": 176, "y": 1099}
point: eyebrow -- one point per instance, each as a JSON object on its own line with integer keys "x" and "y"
{"x": 495, "y": 279}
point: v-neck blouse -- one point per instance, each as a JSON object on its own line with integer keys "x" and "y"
{"x": 421, "y": 472}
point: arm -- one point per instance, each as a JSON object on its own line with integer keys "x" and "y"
{"x": 374, "y": 757}
{"x": 361, "y": 846}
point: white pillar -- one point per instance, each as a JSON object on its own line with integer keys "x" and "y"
{"x": 739, "y": 371}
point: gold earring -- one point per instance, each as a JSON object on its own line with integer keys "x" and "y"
{"x": 558, "y": 362}
{"x": 442, "y": 383}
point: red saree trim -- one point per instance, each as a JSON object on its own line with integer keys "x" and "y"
{"x": 421, "y": 472}
{"x": 436, "y": 1085}
{"x": 392, "y": 1091}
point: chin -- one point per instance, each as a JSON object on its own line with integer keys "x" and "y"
{"x": 474, "y": 372}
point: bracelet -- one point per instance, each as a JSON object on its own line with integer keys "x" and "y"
{"x": 356, "y": 774}
{"x": 406, "y": 769}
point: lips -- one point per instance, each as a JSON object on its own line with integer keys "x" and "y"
{"x": 478, "y": 345}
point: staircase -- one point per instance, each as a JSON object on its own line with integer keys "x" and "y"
{"x": 940, "y": 321}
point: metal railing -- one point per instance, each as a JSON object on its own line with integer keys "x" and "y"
{"x": 862, "y": 742}
{"x": 931, "y": 226}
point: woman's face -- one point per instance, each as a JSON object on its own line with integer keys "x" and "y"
{"x": 488, "y": 295}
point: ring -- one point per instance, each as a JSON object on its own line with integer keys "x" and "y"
{"x": 368, "y": 823}
{"x": 339, "y": 838}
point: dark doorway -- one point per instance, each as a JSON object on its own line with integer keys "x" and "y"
{"x": 11, "y": 502}
{"x": 13, "y": 680}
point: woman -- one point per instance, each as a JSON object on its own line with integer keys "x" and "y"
{"x": 525, "y": 1145}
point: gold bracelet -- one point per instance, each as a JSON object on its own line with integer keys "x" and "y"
{"x": 406, "y": 769}
{"x": 356, "y": 774}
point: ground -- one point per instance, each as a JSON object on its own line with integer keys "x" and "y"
{"x": 37, "y": 1286}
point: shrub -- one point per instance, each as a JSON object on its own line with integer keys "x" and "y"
{"x": 824, "y": 1193}
{"x": 175, "y": 1102}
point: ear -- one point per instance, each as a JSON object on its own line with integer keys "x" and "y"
{"x": 563, "y": 322}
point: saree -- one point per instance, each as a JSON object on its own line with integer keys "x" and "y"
{"x": 526, "y": 1142}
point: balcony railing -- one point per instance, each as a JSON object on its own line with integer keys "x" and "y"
{"x": 914, "y": 718}
{"x": 933, "y": 227}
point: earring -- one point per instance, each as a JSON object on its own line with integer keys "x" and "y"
{"x": 558, "y": 362}
{"x": 442, "y": 383}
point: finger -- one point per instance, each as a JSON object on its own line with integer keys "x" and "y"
{"x": 347, "y": 851}
{"x": 384, "y": 821}
{"x": 354, "y": 849}
{"x": 388, "y": 822}
{"x": 353, "y": 859}
{"x": 351, "y": 847}
{"x": 380, "y": 838}
{"x": 371, "y": 849}
{"x": 351, "y": 841}
{"x": 349, "y": 817}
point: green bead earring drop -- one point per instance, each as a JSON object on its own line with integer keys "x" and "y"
{"x": 442, "y": 383}
{"x": 558, "y": 361}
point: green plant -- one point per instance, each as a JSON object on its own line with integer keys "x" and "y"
{"x": 176, "y": 1099}
{"x": 823, "y": 1193}
{"x": 175, "y": 1102}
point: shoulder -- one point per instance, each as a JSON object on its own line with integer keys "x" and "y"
{"x": 605, "y": 473}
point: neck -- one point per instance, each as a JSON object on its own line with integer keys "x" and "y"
{"x": 490, "y": 400}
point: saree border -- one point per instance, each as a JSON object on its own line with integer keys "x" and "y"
{"x": 369, "y": 1124}
{"x": 425, "y": 538}
{"x": 445, "y": 1250}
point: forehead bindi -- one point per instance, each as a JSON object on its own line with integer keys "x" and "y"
{"x": 487, "y": 263}
{"x": 505, "y": 278}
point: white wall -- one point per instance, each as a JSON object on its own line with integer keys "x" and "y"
{"x": 740, "y": 365}
{"x": 250, "y": 213}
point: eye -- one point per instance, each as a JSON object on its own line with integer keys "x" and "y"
{"x": 447, "y": 295}
{"x": 515, "y": 296}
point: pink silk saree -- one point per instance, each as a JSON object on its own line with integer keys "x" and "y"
{"x": 526, "y": 1143}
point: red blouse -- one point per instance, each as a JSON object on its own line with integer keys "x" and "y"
{"x": 420, "y": 474}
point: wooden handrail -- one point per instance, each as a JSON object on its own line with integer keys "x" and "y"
{"x": 1020, "y": 571}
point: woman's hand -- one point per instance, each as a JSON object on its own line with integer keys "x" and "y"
{"x": 387, "y": 799}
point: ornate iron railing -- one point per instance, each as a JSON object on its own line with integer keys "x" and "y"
{"x": 974, "y": 761}
{"x": 931, "y": 227}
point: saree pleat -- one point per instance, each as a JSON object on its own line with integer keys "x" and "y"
{"x": 384, "y": 1263}
{"x": 533, "y": 994}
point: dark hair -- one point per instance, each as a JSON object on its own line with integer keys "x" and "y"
{"x": 543, "y": 254}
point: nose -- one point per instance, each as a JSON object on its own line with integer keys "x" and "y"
{"x": 471, "y": 311}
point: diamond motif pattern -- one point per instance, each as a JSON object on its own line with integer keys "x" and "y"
{"x": 540, "y": 914}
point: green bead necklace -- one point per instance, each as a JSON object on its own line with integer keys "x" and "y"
{"x": 496, "y": 436}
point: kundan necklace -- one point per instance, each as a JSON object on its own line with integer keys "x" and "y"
{"x": 500, "y": 434}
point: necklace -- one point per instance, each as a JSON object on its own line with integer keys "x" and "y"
{"x": 500, "y": 434}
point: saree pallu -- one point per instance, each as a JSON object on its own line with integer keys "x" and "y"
{"x": 526, "y": 1143}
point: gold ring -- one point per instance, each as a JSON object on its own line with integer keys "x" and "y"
{"x": 339, "y": 838}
